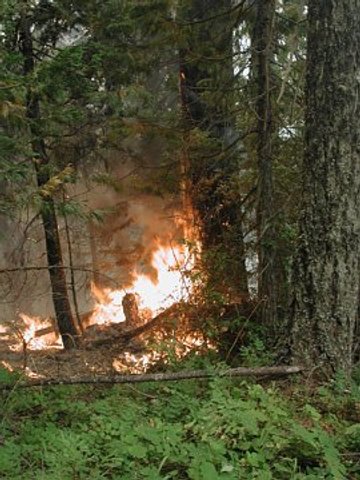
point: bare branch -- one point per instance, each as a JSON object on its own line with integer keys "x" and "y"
{"x": 164, "y": 377}
{"x": 75, "y": 269}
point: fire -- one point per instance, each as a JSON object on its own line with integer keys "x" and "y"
{"x": 135, "y": 363}
{"x": 30, "y": 330}
{"x": 25, "y": 331}
{"x": 166, "y": 282}
{"x": 167, "y": 285}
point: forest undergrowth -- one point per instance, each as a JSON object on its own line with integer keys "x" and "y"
{"x": 225, "y": 429}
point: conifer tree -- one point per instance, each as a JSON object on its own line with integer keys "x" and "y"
{"x": 207, "y": 83}
{"x": 326, "y": 273}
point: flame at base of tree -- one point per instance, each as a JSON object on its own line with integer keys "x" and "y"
{"x": 168, "y": 283}
{"x": 23, "y": 334}
{"x": 163, "y": 295}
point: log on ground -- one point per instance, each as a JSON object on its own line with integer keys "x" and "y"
{"x": 276, "y": 371}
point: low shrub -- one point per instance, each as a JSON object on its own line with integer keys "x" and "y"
{"x": 196, "y": 430}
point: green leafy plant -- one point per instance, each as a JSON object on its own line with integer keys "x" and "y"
{"x": 223, "y": 430}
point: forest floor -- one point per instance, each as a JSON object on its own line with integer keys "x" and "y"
{"x": 103, "y": 349}
{"x": 113, "y": 357}
{"x": 217, "y": 429}
{"x": 53, "y": 362}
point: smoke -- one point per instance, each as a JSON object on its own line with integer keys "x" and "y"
{"x": 128, "y": 237}
{"x": 116, "y": 249}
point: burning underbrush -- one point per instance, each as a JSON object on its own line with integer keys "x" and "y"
{"x": 111, "y": 348}
{"x": 133, "y": 329}
{"x": 166, "y": 282}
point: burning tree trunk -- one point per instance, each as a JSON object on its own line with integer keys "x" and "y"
{"x": 212, "y": 175}
{"x": 131, "y": 310}
{"x": 60, "y": 297}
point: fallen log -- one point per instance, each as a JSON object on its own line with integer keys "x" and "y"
{"x": 277, "y": 371}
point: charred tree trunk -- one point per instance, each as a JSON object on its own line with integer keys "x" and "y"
{"x": 60, "y": 297}
{"x": 326, "y": 270}
{"x": 262, "y": 53}
{"x": 206, "y": 77}
{"x": 131, "y": 310}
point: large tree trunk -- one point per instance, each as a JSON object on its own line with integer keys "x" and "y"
{"x": 206, "y": 70}
{"x": 262, "y": 55}
{"x": 326, "y": 271}
{"x": 60, "y": 297}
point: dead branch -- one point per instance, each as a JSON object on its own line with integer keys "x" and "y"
{"x": 278, "y": 371}
{"x": 123, "y": 336}
{"x": 46, "y": 331}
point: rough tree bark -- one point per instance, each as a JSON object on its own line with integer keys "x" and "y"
{"x": 326, "y": 270}
{"x": 206, "y": 70}
{"x": 262, "y": 54}
{"x": 60, "y": 297}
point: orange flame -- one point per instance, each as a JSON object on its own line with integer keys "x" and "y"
{"x": 167, "y": 286}
{"x": 26, "y": 333}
